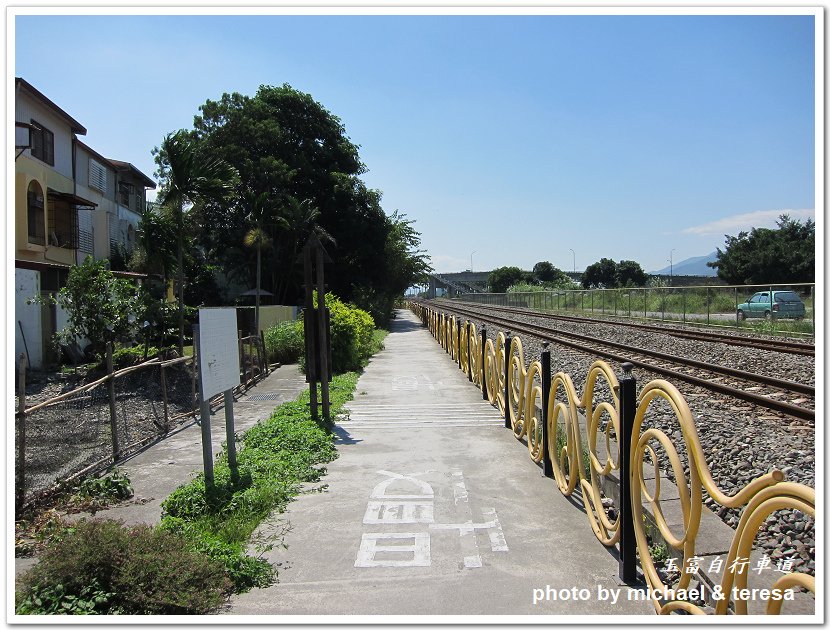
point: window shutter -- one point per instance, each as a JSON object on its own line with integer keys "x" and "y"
{"x": 97, "y": 176}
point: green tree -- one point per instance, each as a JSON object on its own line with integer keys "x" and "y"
{"x": 156, "y": 250}
{"x": 503, "y": 277}
{"x": 282, "y": 139}
{"x": 407, "y": 265}
{"x": 260, "y": 217}
{"x": 601, "y": 274}
{"x": 551, "y": 277}
{"x": 190, "y": 176}
{"x": 544, "y": 271}
{"x": 630, "y": 274}
{"x": 774, "y": 256}
{"x": 301, "y": 222}
{"x": 99, "y": 306}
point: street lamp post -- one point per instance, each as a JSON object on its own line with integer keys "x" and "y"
{"x": 574, "y": 254}
{"x": 671, "y": 267}
{"x": 471, "y": 259}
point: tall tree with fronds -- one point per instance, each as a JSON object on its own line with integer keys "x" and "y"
{"x": 156, "y": 242}
{"x": 300, "y": 223}
{"x": 190, "y": 178}
{"x": 260, "y": 217}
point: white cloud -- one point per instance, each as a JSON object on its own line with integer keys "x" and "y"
{"x": 744, "y": 222}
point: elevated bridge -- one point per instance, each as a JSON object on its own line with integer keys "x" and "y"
{"x": 457, "y": 283}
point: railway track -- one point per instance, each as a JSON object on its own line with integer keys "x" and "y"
{"x": 777, "y": 345}
{"x": 762, "y": 390}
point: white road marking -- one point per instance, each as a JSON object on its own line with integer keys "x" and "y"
{"x": 392, "y": 509}
{"x": 369, "y": 548}
{"x": 379, "y": 491}
{"x": 459, "y": 490}
{"x": 472, "y": 562}
{"x": 430, "y": 384}
{"x": 497, "y": 540}
{"x": 398, "y": 512}
{"x": 405, "y": 383}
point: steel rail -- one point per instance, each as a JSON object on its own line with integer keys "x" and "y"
{"x": 778, "y": 345}
{"x": 764, "y": 401}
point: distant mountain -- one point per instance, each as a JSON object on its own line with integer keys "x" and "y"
{"x": 691, "y": 267}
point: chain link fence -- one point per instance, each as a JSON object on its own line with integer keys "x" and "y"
{"x": 101, "y": 423}
{"x": 703, "y": 305}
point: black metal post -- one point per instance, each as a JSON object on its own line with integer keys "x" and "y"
{"x": 507, "y": 423}
{"x": 458, "y": 345}
{"x": 628, "y": 543}
{"x": 483, "y": 366}
{"x": 547, "y": 465}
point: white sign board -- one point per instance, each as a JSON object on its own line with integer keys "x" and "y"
{"x": 218, "y": 350}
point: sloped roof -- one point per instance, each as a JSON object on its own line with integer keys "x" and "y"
{"x": 126, "y": 166}
{"x": 38, "y": 95}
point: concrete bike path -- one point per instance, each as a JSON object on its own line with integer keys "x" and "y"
{"x": 433, "y": 508}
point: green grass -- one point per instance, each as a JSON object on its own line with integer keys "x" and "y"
{"x": 201, "y": 550}
{"x": 378, "y": 337}
{"x": 275, "y": 458}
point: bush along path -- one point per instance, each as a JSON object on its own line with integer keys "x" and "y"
{"x": 196, "y": 557}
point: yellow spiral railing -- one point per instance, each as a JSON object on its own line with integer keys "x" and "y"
{"x": 582, "y": 446}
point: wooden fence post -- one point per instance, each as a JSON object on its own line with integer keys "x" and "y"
{"x": 163, "y": 379}
{"x": 116, "y": 451}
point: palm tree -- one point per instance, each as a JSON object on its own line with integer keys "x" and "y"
{"x": 300, "y": 223}
{"x": 157, "y": 240}
{"x": 257, "y": 237}
{"x": 192, "y": 178}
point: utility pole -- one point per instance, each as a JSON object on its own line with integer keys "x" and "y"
{"x": 671, "y": 267}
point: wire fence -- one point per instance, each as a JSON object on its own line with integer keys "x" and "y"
{"x": 725, "y": 306}
{"x": 102, "y": 422}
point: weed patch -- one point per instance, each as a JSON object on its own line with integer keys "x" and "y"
{"x": 199, "y": 553}
{"x": 275, "y": 457}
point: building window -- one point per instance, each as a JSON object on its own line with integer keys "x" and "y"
{"x": 97, "y": 176}
{"x": 124, "y": 192}
{"x": 63, "y": 225}
{"x": 43, "y": 143}
{"x": 37, "y": 223}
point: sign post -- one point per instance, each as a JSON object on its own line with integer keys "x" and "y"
{"x": 217, "y": 350}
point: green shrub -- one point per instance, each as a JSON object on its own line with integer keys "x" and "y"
{"x": 126, "y": 357}
{"x": 284, "y": 342}
{"x": 352, "y": 333}
{"x": 104, "y": 568}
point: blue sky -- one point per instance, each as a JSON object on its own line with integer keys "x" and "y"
{"x": 514, "y": 137}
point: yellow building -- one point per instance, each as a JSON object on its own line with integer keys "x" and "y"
{"x": 70, "y": 202}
